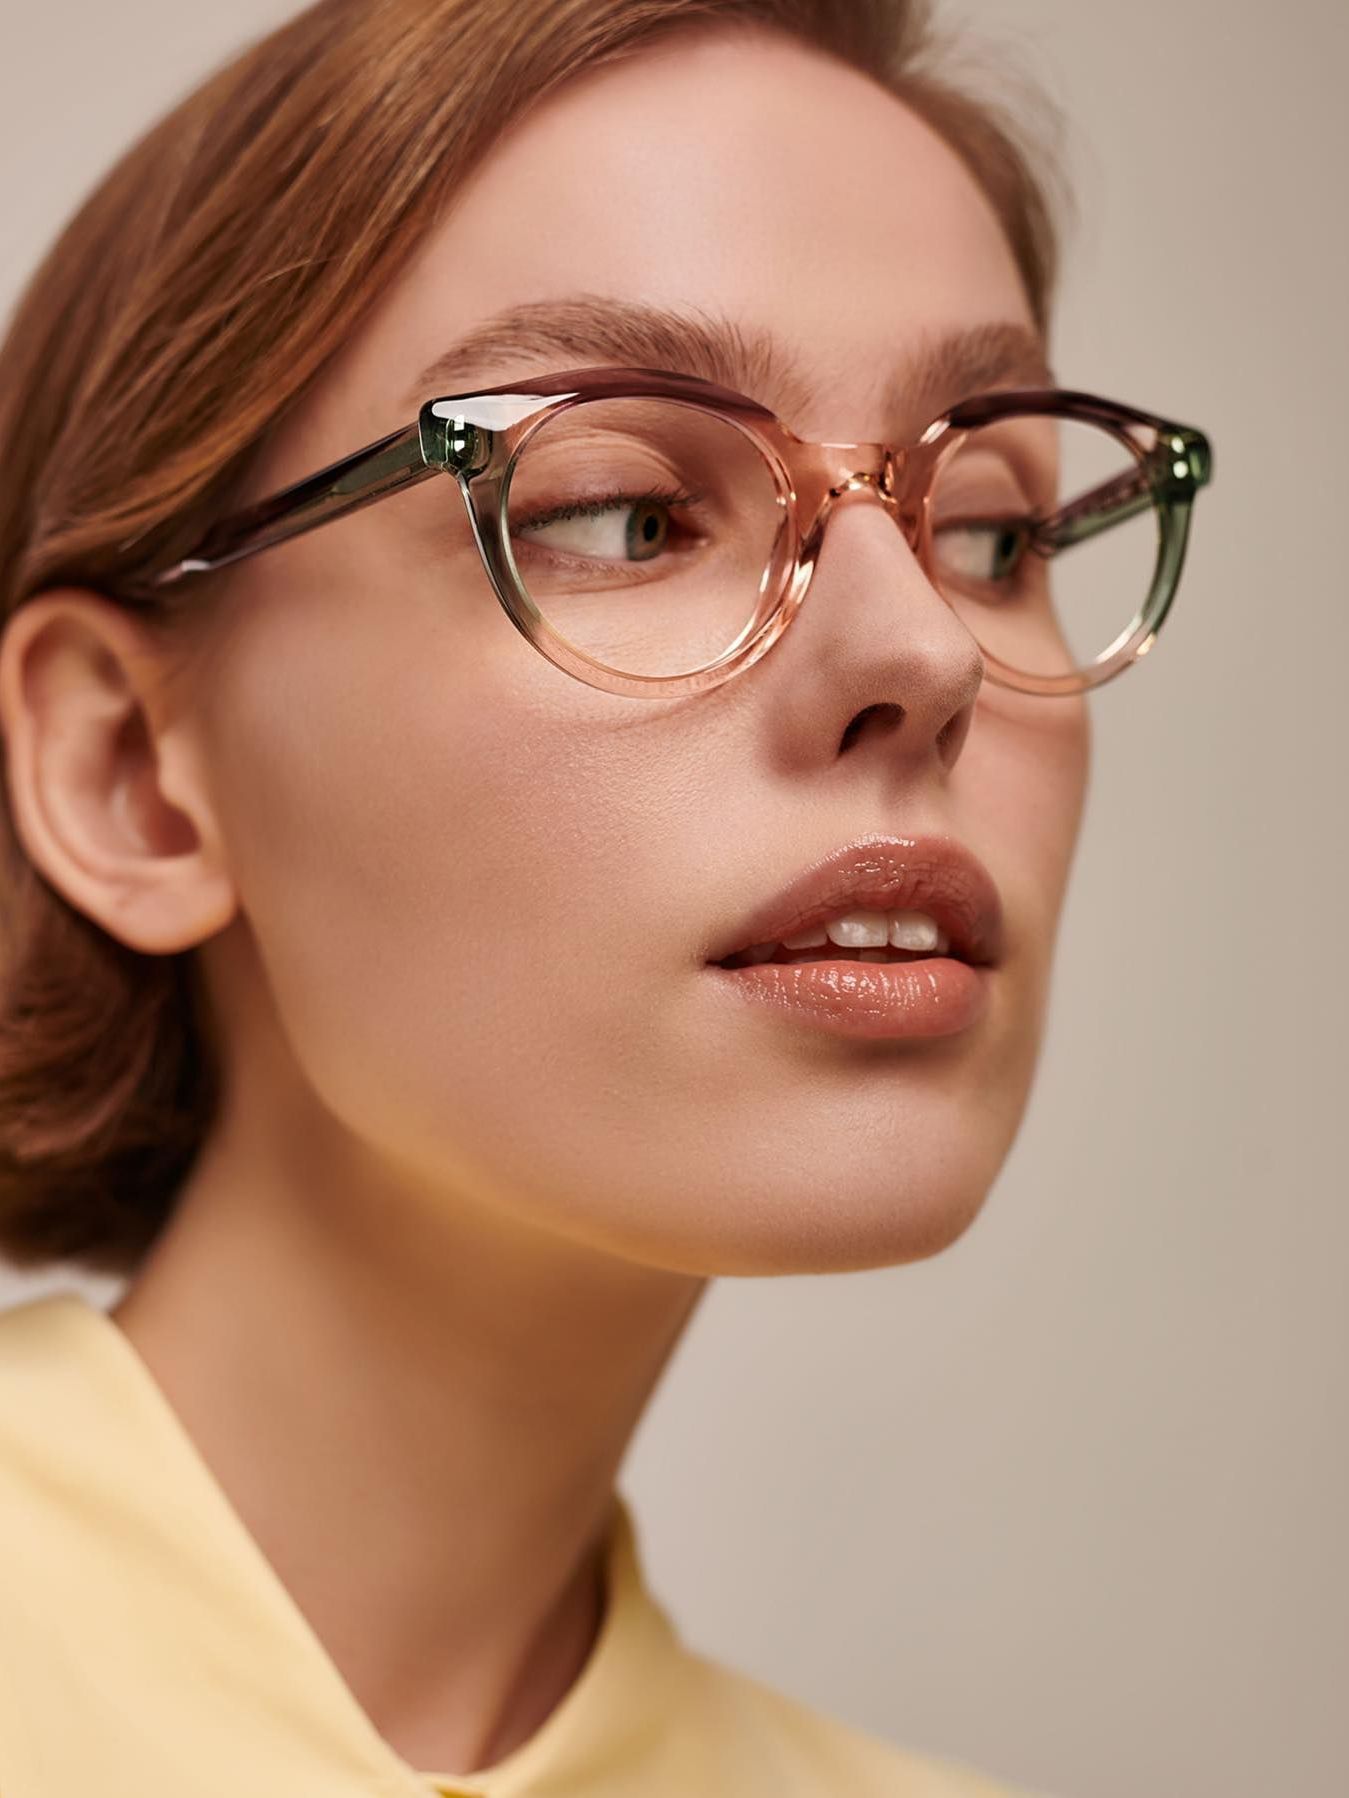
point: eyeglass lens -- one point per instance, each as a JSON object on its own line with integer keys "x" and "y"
{"x": 650, "y": 535}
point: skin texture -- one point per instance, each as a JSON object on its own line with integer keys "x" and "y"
{"x": 485, "y": 1133}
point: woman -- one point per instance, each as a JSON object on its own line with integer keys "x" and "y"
{"x": 433, "y": 936}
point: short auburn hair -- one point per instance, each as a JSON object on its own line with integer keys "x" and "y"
{"x": 166, "y": 328}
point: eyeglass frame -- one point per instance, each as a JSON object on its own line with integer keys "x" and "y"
{"x": 478, "y": 437}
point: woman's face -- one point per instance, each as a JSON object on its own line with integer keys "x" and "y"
{"x": 481, "y": 894}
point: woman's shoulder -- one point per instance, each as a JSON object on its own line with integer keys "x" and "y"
{"x": 42, "y": 1344}
{"x": 60, "y": 1475}
{"x": 54, "y": 1385}
{"x": 794, "y": 1750}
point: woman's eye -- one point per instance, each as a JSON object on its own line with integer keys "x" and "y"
{"x": 989, "y": 551}
{"x": 623, "y": 528}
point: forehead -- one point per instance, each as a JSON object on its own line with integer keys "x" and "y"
{"x": 736, "y": 176}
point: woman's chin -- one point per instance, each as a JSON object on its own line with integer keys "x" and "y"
{"x": 843, "y": 1222}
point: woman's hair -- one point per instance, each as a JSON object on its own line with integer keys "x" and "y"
{"x": 183, "y": 312}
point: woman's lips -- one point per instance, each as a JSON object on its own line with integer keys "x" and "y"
{"x": 930, "y": 874}
{"x": 932, "y": 996}
{"x": 937, "y": 994}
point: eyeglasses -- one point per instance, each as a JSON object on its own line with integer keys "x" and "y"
{"x": 654, "y": 534}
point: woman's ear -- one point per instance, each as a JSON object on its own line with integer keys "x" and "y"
{"x": 105, "y": 782}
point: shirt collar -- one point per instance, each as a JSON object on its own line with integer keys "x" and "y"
{"x": 130, "y": 1523}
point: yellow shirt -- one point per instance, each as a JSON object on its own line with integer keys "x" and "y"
{"x": 149, "y": 1650}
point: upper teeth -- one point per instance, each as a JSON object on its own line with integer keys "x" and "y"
{"x": 866, "y": 930}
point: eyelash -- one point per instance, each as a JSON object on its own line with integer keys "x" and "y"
{"x": 597, "y": 508}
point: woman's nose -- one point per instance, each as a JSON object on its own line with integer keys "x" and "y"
{"x": 872, "y": 630}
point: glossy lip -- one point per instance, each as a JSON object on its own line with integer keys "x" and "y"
{"x": 931, "y": 874}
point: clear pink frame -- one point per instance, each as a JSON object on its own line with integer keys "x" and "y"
{"x": 477, "y": 438}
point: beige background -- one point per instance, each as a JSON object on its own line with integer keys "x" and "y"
{"x": 1070, "y": 1500}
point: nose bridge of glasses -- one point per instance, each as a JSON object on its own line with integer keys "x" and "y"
{"x": 843, "y": 469}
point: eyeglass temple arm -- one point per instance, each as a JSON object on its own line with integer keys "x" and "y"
{"x": 396, "y": 461}
{"x": 1176, "y": 467}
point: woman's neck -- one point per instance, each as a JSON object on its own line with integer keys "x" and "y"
{"x": 418, "y": 1409}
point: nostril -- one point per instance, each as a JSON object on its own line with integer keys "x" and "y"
{"x": 950, "y": 737}
{"x": 870, "y": 715}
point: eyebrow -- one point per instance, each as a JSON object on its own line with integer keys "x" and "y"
{"x": 584, "y": 329}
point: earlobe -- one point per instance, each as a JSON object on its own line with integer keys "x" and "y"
{"x": 105, "y": 786}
